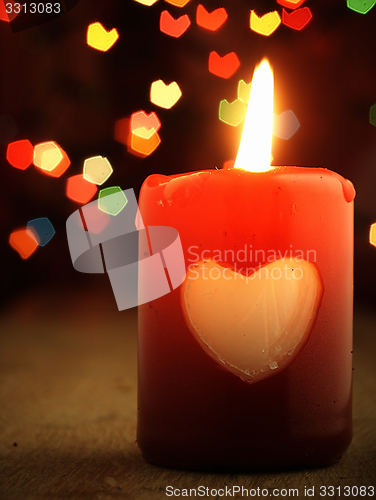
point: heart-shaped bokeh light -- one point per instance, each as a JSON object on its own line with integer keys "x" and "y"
{"x": 173, "y": 27}
{"x": 266, "y": 24}
{"x": 211, "y": 21}
{"x": 99, "y": 38}
{"x": 225, "y": 66}
{"x": 164, "y": 96}
{"x": 297, "y": 19}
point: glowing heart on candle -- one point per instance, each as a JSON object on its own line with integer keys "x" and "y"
{"x": 252, "y": 326}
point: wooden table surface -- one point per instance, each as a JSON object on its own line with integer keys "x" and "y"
{"x": 68, "y": 409}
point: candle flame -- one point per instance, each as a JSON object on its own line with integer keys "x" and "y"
{"x": 255, "y": 146}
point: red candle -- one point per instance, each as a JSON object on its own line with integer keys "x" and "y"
{"x": 248, "y": 363}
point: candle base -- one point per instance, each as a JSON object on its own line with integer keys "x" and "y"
{"x": 311, "y": 454}
{"x": 267, "y": 466}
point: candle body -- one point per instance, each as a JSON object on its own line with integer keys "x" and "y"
{"x": 193, "y": 411}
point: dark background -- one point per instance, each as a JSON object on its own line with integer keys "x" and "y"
{"x": 68, "y": 374}
{"x": 57, "y": 88}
